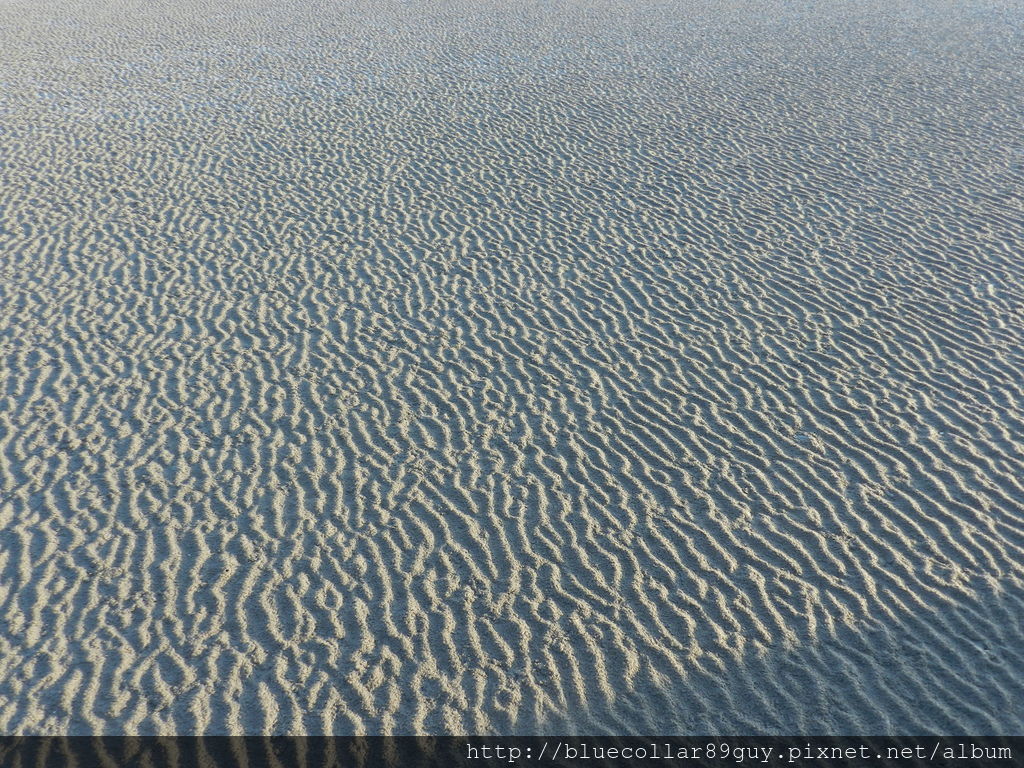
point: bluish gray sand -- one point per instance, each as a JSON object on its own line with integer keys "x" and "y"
{"x": 493, "y": 367}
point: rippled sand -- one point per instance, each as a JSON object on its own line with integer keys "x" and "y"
{"x": 631, "y": 367}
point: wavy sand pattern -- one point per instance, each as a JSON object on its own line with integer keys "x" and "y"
{"x": 593, "y": 366}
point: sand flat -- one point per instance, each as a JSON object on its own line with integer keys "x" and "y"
{"x": 511, "y": 367}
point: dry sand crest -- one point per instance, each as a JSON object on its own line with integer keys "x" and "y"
{"x": 511, "y": 367}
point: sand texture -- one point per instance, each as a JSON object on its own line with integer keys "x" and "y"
{"x": 511, "y": 367}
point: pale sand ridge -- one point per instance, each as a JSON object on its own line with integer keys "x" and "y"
{"x": 629, "y": 367}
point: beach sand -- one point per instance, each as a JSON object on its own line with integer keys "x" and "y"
{"x": 511, "y": 367}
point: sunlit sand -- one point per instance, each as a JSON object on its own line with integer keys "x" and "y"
{"x": 511, "y": 367}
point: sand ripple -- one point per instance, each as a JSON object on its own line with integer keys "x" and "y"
{"x": 493, "y": 367}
